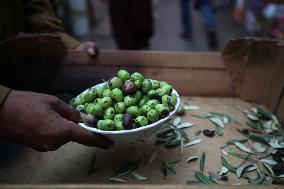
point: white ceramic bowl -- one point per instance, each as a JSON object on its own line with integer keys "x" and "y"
{"x": 133, "y": 134}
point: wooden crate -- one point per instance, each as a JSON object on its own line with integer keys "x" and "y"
{"x": 248, "y": 70}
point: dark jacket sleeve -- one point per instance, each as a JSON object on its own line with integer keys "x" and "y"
{"x": 4, "y": 91}
{"x": 40, "y": 18}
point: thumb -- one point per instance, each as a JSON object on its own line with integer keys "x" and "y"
{"x": 85, "y": 137}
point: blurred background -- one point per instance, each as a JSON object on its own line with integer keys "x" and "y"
{"x": 174, "y": 25}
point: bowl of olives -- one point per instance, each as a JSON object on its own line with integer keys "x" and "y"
{"x": 128, "y": 107}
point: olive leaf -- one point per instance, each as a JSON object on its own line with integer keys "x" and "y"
{"x": 167, "y": 165}
{"x": 242, "y": 147}
{"x": 254, "y": 125}
{"x": 231, "y": 142}
{"x": 202, "y": 162}
{"x": 241, "y": 169}
{"x": 241, "y": 156}
{"x": 164, "y": 170}
{"x": 274, "y": 143}
{"x": 203, "y": 179}
{"x": 258, "y": 148}
{"x": 127, "y": 168}
{"x": 267, "y": 167}
{"x": 181, "y": 146}
{"x": 251, "y": 168}
{"x": 138, "y": 176}
{"x": 230, "y": 118}
{"x": 177, "y": 121}
{"x": 197, "y": 141}
{"x": 218, "y": 131}
{"x": 115, "y": 180}
{"x": 184, "y": 125}
{"x": 217, "y": 121}
{"x": 227, "y": 165}
{"x": 203, "y": 116}
{"x": 252, "y": 116}
{"x": 225, "y": 153}
{"x": 223, "y": 171}
{"x": 154, "y": 154}
{"x": 191, "y": 107}
{"x": 225, "y": 120}
{"x": 193, "y": 182}
{"x": 268, "y": 161}
{"x": 191, "y": 158}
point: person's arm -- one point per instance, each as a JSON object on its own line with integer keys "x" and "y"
{"x": 43, "y": 122}
{"x": 40, "y": 18}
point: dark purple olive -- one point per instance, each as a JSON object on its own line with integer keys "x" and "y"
{"x": 224, "y": 178}
{"x": 208, "y": 133}
{"x": 128, "y": 89}
{"x": 127, "y": 121}
{"x": 89, "y": 119}
{"x": 278, "y": 169}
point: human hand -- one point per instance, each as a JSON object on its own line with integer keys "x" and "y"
{"x": 43, "y": 122}
{"x": 90, "y": 47}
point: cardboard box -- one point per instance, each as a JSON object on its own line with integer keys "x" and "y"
{"x": 246, "y": 70}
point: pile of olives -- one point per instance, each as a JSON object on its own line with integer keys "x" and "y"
{"x": 125, "y": 102}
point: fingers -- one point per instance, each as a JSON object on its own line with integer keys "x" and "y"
{"x": 91, "y": 48}
{"x": 65, "y": 110}
{"x": 85, "y": 137}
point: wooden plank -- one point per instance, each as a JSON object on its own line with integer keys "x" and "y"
{"x": 148, "y": 59}
{"x": 125, "y": 186}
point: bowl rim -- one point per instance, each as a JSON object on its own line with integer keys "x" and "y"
{"x": 157, "y": 123}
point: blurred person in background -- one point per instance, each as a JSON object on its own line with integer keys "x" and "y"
{"x": 132, "y": 23}
{"x": 38, "y": 120}
{"x": 208, "y": 19}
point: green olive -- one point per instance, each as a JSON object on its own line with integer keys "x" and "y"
{"x": 141, "y": 121}
{"x": 145, "y": 109}
{"x": 81, "y": 108}
{"x": 106, "y": 125}
{"x": 123, "y": 75}
{"x": 106, "y": 93}
{"x": 138, "y": 84}
{"x": 106, "y": 102}
{"x": 90, "y": 95}
{"x": 165, "y": 90}
{"x": 118, "y": 117}
{"x": 155, "y": 84}
{"x": 143, "y": 101}
{"x": 153, "y": 115}
{"x": 166, "y": 100}
{"x": 129, "y": 101}
{"x": 97, "y": 101}
{"x": 138, "y": 96}
{"x": 78, "y": 101}
{"x": 99, "y": 91}
{"x": 133, "y": 110}
{"x": 163, "y": 83}
{"x": 153, "y": 94}
{"x": 109, "y": 113}
{"x": 95, "y": 109}
{"x": 120, "y": 107}
{"x": 117, "y": 95}
{"x": 118, "y": 125}
{"x": 115, "y": 82}
{"x": 173, "y": 100}
{"x": 163, "y": 110}
{"x": 146, "y": 86}
{"x": 137, "y": 76}
{"x": 152, "y": 103}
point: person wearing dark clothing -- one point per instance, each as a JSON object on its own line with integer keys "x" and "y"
{"x": 208, "y": 19}
{"x": 132, "y": 23}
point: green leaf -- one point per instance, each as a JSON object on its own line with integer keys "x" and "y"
{"x": 203, "y": 116}
{"x": 197, "y": 141}
{"x": 203, "y": 179}
{"x": 241, "y": 169}
{"x": 268, "y": 161}
{"x": 202, "y": 162}
{"x": 177, "y": 121}
{"x": 241, "y": 156}
{"x": 115, "y": 180}
{"x": 125, "y": 169}
{"x": 164, "y": 170}
{"x": 138, "y": 176}
{"x": 181, "y": 147}
{"x": 231, "y": 119}
{"x": 263, "y": 114}
{"x": 191, "y": 158}
{"x": 217, "y": 121}
{"x": 218, "y": 131}
{"x": 254, "y": 125}
{"x": 242, "y": 147}
{"x": 227, "y": 165}
{"x": 169, "y": 167}
{"x": 231, "y": 142}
